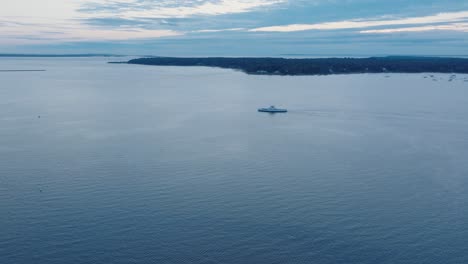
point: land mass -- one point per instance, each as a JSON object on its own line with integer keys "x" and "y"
{"x": 322, "y": 66}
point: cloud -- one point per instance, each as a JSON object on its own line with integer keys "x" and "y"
{"x": 462, "y": 27}
{"x": 361, "y": 23}
{"x": 53, "y": 30}
{"x": 172, "y": 8}
{"x": 217, "y": 30}
{"x": 108, "y": 20}
{"x": 59, "y": 21}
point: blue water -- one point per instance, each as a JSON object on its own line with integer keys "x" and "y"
{"x": 105, "y": 163}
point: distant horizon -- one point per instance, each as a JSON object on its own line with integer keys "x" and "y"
{"x": 70, "y": 55}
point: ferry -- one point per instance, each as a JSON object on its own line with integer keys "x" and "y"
{"x": 272, "y": 109}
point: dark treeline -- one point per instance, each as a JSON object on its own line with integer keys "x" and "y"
{"x": 324, "y": 66}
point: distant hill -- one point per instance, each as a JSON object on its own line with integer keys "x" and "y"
{"x": 322, "y": 66}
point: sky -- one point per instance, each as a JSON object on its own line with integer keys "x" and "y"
{"x": 235, "y": 27}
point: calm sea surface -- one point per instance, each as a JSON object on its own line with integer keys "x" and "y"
{"x": 104, "y": 163}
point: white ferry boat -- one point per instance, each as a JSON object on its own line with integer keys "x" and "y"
{"x": 272, "y": 109}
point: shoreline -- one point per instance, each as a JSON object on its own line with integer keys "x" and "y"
{"x": 322, "y": 66}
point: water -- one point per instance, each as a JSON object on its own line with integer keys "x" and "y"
{"x": 108, "y": 163}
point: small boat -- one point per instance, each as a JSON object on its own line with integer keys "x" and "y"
{"x": 272, "y": 109}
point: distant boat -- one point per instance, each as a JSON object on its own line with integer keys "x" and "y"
{"x": 272, "y": 109}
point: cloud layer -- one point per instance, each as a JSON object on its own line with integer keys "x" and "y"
{"x": 109, "y": 20}
{"x": 173, "y": 8}
{"x": 274, "y": 23}
{"x": 366, "y": 23}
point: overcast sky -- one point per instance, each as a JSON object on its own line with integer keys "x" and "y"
{"x": 235, "y": 27}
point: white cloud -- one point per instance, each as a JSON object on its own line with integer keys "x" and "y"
{"x": 218, "y": 30}
{"x": 42, "y": 30}
{"x": 461, "y": 27}
{"x": 353, "y": 24}
{"x": 38, "y": 9}
{"x": 176, "y": 9}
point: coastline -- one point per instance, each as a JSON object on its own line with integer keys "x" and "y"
{"x": 320, "y": 66}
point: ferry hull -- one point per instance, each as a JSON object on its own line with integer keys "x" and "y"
{"x": 266, "y": 110}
